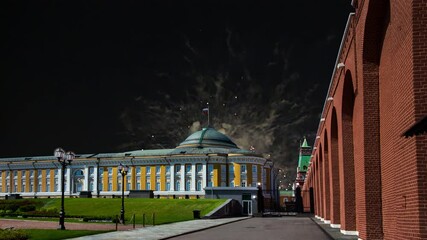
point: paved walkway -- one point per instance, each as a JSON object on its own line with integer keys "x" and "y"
{"x": 163, "y": 231}
{"x": 297, "y": 223}
{"x": 31, "y": 224}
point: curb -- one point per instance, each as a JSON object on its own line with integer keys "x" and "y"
{"x": 333, "y": 233}
{"x": 321, "y": 228}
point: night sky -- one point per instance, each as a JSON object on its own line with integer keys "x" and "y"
{"x": 104, "y": 76}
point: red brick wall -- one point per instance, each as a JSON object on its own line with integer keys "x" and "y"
{"x": 346, "y": 159}
{"x": 322, "y": 193}
{"x": 370, "y": 29}
{"x": 382, "y": 176}
{"x": 326, "y": 181}
{"x": 334, "y": 166}
{"x": 419, "y": 48}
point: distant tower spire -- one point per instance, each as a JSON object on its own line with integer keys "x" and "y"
{"x": 304, "y": 143}
{"x": 303, "y": 161}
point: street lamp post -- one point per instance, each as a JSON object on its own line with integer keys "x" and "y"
{"x": 124, "y": 171}
{"x": 64, "y": 159}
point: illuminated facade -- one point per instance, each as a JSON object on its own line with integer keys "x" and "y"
{"x": 207, "y": 158}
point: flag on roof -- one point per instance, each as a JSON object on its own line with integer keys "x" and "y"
{"x": 205, "y": 111}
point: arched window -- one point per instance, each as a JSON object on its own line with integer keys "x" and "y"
{"x": 187, "y": 185}
{"x": 178, "y": 185}
{"x": 78, "y": 179}
{"x": 199, "y": 185}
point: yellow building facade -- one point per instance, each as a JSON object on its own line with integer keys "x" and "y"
{"x": 206, "y": 158}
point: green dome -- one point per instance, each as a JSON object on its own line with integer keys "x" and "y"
{"x": 208, "y": 137}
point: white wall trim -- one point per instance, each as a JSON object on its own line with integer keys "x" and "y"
{"x": 327, "y": 221}
{"x": 354, "y": 233}
{"x": 335, "y": 225}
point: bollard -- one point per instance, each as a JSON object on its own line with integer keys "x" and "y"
{"x": 133, "y": 221}
{"x": 143, "y": 220}
{"x": 117, "y": 222}
{"x": 154, "y": 217}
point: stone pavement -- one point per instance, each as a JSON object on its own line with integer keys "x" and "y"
{"x": 256, "y": 228}
{"x": 163, "y": 231}
{"x": 32, "y": 224}
{"x": 181, "y": 228}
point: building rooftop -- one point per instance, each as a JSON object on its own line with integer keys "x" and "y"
{"x": 208, "y": 137}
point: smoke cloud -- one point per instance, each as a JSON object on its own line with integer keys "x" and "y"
{"x": 270, "y": 112}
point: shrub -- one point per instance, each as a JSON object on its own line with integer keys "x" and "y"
{"x": 27, "y": 208}
{"x": 8, "y": 234}
{"x": 97, "y": 218}
{"x": 11, "y": 207}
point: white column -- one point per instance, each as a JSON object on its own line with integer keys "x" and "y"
{"x": 204, "y": 176}
{"x": 193, "y": 177}
{"x": 59, "y": 180}
{"x": 86, "y": 182}
{"x": 68, "y": 185}
{"x": 182, "y": 177}
{"x": 172, "y": 172}
{"x": 95, "y": 180}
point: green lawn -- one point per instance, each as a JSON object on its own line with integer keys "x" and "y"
{"x": 49, "y": 234}
{"x": 166, "y": 210}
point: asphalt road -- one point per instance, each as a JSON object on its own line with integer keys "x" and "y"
{"x": 263, "y": 228}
